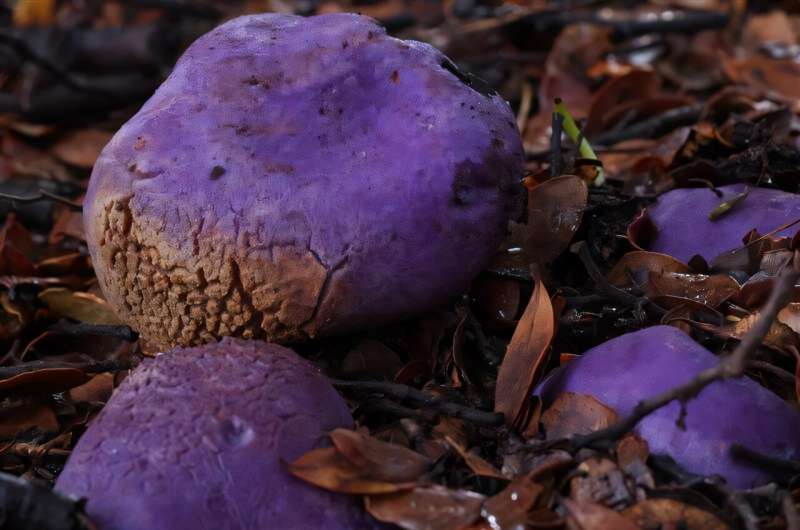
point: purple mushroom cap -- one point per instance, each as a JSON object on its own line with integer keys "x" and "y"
{"x": 297, "y": 177}
{"x": 684, "y": 229}
{"x": 625, "y": 370}
{"x": 199, "y": 438}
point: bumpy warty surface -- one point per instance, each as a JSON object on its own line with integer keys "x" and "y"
{"x": 297, "y": 177}
{"x": 198, "y": 439}
{"x": 625, "y": 370}
{"x": 685, "y": 230}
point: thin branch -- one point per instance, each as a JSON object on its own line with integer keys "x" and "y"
{"x": 68, "y": 327}
{"x": 730, "y": 367}
{"x": 92, "y": 367}
{"x": 419, "y": 398}
{"x": 43, "y": 195}
{"x": 653, "y": 127}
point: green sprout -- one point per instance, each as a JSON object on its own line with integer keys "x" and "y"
{"x": 574, "y": 134}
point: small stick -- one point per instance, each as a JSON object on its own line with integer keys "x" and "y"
{"x": 400, "y": 392}
{"x": 43, "y": 195}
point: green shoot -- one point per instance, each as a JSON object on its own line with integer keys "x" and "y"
{"x": 574, "y": 134}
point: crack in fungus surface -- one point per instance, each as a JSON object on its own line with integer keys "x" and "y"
{"x": 273, "y": 293}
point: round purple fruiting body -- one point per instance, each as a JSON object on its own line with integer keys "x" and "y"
{"x": 628, "y": 369}
{"x": 297, "y": 177}
{"x": 685, "y": 230}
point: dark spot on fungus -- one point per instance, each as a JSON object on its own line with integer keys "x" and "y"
{"x": 216, "y": 172}
{"x": 395, "y": 76}
{"x": 370, "y": 35}
{"x": 345, "y": 44}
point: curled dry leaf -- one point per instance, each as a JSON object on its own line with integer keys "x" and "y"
{"x": 97, "y": 390}
{"x": 508, "y": 510}
{"x": 387, "y": 462}
{"x": 84, "y": 307}
{"x": 779, "y": 77}
{"x": 555, "y": 210}
{"x": 592, "y": 516}
{"x": 637, "y": 266}
{"x": 524, "y": 360}
{"x": 427, "y": 508}
{"x": 790, "y": 316}
{"x": 670, "y": 513}
{"x": 327, "y": 468}
{"x": 573, "y": 413}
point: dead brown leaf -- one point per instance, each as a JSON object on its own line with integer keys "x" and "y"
{"x": 524, "y": 359}
{"x": 23, "y": 417}
{"x": 328, "y": 468}
{"x": 636, "y": 267}
{"x": 81, "y": 148}
{"x": 478, "y": 465}
{"x": 386, "y": 462}
{"x": 427, "y": 508}
{"x": 84, "y": 307}
{"x": 44, "y": 381}
{"x": 97, "y": 390}
{"x": 709, "y": 290}
{"x": 508, "y": 510}
{"x": 573, "y": 413}
{"x": 555, "y": 210}
{"x": 670, "y": 513}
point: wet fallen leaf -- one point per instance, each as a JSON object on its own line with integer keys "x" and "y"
{"x": 593, "y": 516}
{"x": 508, "y": 510}
{"x": 555, "y": 210}
{"x": 635, "y": 267}
{"x": 386, "y": 462}
{"x": 84, "y": 307}
{"x": 709, "y": 290}
{"x": 780, "y": 77}
{"x": 524, "y": 359}
{"x": 670, "y": 513}
{"x": 427, "y": 508}
{"x": 573, "y": 413}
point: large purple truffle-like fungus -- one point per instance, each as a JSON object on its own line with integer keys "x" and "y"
{"x": 297, "y": 177}
{"x": 685, "y": 230}
{"x": 199, "y": 438}
{"x": 636, "y": 366}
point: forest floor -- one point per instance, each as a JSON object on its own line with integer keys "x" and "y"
{"x": 668, "y": 93}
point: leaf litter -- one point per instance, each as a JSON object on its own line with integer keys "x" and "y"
{"x": 699, "y": 93}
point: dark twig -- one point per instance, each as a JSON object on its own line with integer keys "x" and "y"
{"x": 780, "y": 465}
{"x": 93, "y": 367}
{"x": 42, "y": 195}
{"x": 653, "y": 127}
{"x": 33, "y": 506}
{"x": 730, "y": 367}
{"x": 419, "y": 398}
{"x": 68, "y": 327}
{"x": 555, "y": 145}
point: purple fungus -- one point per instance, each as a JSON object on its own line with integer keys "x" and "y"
{"x": 636, "y": 366}
{"x": 199, "y": 438}
{"x": 685, "y": 230}
{"x": 298, "y": 177}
